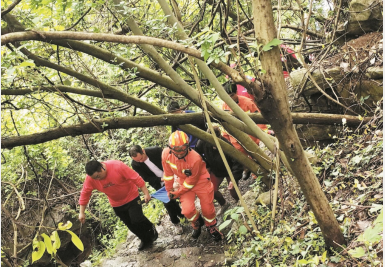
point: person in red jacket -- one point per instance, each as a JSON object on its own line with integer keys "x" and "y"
{"x": 187, "y": 167}
{"x": 120, "y": 183}
{"x": 248, "y": 106}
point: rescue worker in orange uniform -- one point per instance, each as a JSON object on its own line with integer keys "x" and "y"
{"x": 186, "y": 165}
{"x": 248, "y": 106}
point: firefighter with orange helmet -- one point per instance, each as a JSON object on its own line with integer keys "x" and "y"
{"x": 187, "y": 166}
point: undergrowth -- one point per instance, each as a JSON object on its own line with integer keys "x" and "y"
{"x": 350, "y": 172}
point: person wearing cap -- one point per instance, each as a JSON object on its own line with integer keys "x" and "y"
{"x": 186, "y": 165}
{"x": 148, "y": 163}
{"x": 174, "y": 108}
{"x": 248, "y": 106}
{"x": 218, "y": 171}
{"x": 120, "y": 183}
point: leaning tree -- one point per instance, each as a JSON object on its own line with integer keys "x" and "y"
{"x": 74, "y": 69}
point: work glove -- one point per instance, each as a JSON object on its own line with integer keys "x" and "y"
{"x": 174, "y": 194}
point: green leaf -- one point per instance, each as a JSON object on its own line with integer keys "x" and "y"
{"x": 56, "y": 241}
{"x": 372, "y": 234}
{"x": 66, "y": 226}
{"x": 48, "y": 243}
{"x": 335, "y": 259}
{"x": 209, "y": 60}
{"x": 288, "y": 240}
{"x": 357, "y": 252}
{"x": 271, "y": 44}
{"x": 215, "y": 37}
{"x": 234, "y": 216}
{"x": 76, "y": 240}
{"x": 303, "y": 261}
{"x": 27, "y": 63}
{"x": 324, "y": 255}
{"x": 67, "y": 82}
{"x": 240, "y": 209}
{"x": 38, "y": 250}
{"x": 104, "y": 125}
{"x": 224, "y": 225}
{"x": 242, "y": 230}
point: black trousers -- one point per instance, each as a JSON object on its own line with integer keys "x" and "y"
{"x": 172, "y": 207}
{"x": 132, "y": 216}
{"x": 174, "y": 211}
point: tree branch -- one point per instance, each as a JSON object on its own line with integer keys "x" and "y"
{"x": 157, "y": 120}
{"x": 10, "y": 7}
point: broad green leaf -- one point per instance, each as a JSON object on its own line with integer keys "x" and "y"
{"x": 76, "y": 240}
{"x": 315, "y": 260}
{"x": 224, "y": 225}
{"x": 240, "y": 209}
{"x": 242, "y": 230}
{"x": 209, "y": 60}
{"x": 59, "y": 28}
{"x": 27, "y": 63}
{"x": 335, "y": 259}
{"x": 66, "y": 226}
{"x": 372, "y": 234}
{"x": 324, "y": 255}
{"x": 271, "y": 44}
{"x": 357, "y": 252}
{"x": 67, "y": 82}
{"x": 215, "y": 37}
{"x": 48, "y": 243}
{"x": 235, "y": 216}
{"x": 38, "y": 250}
{"x": 303, "y": 261}
{"x": 56, "y": 241}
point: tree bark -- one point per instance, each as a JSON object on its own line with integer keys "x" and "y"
{"x": 95, "y": 126}
{"x": 275, "y": 108}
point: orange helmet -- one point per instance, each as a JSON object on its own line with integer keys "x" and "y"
{"x": 179, "y": 144}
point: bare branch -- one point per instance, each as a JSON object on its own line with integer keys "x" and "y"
{"x": 10, "y": 7}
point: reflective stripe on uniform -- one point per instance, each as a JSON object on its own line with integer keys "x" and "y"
{"x": 208, "y": 220}
{"x": 192, "y": 218}
{"x": 187, "y": 185}
{"x": 247, "y": 111}
{"x": 172, "y": 165}
{"x": 168, "y": 178}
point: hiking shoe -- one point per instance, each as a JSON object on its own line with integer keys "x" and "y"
{"x": 144, "y": 244}
{"x": 178, "y": 230}
{"x": 214, "y": 232}
{"x": 197, "y": 225}
{"x": 246, "y": 175}
{"x": 155, "y": 236}
{"x": 222, "y": 209}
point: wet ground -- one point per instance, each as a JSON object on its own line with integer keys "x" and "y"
{"x": 171, "y": 249}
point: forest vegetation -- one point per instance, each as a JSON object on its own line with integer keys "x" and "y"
{"x": 87, "y": 80}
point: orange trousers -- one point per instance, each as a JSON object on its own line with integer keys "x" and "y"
{"x": 204, "y": 190}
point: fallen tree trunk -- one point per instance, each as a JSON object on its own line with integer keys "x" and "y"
{"x": 101, "y": 125}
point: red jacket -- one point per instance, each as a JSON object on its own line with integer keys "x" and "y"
{"x": 248, "y": 106}
{"x": 120, "y": 185}
{"x": 172, "y": 165}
